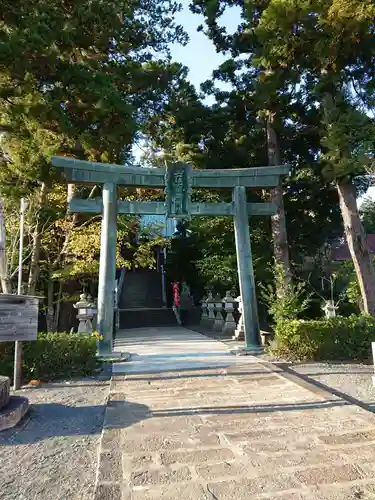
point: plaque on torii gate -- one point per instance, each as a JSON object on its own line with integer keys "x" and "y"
{"x": 178, "y": 180}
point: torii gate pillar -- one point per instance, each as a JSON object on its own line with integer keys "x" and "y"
{"x": 107, "y": 269}
{"x": 245, "y": 270}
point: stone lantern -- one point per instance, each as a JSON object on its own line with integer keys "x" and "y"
{"x": 211, "y": 310}
{"x": 86, "y": 312}
{"x": 219, "y": 320}
{"x": 204, "y": 312}
{"x": 229, "y": 325}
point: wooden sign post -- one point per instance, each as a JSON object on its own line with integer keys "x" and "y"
{"x": 18, "y": 322}
{"x": 178, "y": 180}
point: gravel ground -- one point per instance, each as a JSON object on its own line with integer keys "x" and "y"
{"x": 52, "y": 454}
{"x": 351, "y": 379}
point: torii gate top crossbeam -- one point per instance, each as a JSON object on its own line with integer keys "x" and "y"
{"x": 91, "y": 172}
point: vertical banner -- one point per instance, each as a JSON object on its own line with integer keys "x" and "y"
{"x": 176, "y": 295}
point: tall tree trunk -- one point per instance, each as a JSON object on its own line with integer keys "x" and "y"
{"x": 37, "y": 236}
{"x": 53, "y": 307}
{"x": 357, "y": 243}
{"x": 5, "y": 281}
{"x": 72, "y": 219}
{"x": 50, "y": 305}
{"x": 56, "y": 316}
{"x": 278, "y": 222}
{"x": 53, "y": 311}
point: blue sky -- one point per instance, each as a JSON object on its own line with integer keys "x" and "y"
{"x": 200, "y": 55}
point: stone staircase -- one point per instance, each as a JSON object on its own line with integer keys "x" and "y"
{"x": 141, "y": 303}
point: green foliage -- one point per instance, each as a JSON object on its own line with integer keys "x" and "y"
{"x": 330, "y": 339}
{"x": 283, "y": 299}
{"x": 81, "y": 77}
{"x": 367, "y": 213}
{"x": 347, "y": 285}
{"x": 52, "y": 356}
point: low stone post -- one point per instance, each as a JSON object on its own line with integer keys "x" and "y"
{"x": 239, "y": 333}
{"x": 211, "y": 310}
{"x": 85, "y": 314}
{"x": 204, "y": 313}
{"x": 229, "y": 325}
{"x": 329, "y": 309}
{"x": 219, "y": 320}
{"x": 373, "y": 362}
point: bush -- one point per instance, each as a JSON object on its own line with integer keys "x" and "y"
{"x": 329, "y": 339}
{"x": 52, "y": 356}
{"x": 284, "y": 300}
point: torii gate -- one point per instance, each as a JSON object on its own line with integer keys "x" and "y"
{"x": 178, "y": 180}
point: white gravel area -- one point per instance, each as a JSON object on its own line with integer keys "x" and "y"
{"x": 52, "y": 454}
{"x": 352, "y": 379}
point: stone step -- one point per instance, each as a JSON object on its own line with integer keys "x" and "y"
{"x": 141, "y": 288}
{"x": 146, "y": 317}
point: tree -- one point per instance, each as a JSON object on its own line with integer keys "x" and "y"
{"x": 77, "y": 79}
{"x": 367, "y": 213}
{"x": 320, "y": 56}
{"x": 228, "y": 133}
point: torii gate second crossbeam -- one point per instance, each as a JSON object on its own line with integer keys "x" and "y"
{"x": 178, "y": 180}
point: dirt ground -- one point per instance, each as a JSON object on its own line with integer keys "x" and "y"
{"x": 52, "y": 454}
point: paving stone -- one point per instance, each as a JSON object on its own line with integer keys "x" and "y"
{"x": 221, "y": 470}
{"x": 252, "y": 449}
{"x": 309, "y": 457}
{"x": 350, "y": 437}
{"x": 330, "y": 475}
{"x": 191, "y": 491}
{"x": 161, "y": 424}
{"x": 111, "y": 439}
{"x": 289, "y": 496}
{"x": 197, "y": 457}
{"x": 349, "y": 493}
{"x": 110, "y": 468}
{"x": 261, "y": 435}
{"x": 152, "y": 442}
{"x": 357, "y": 453}
{"x": 108, "y": 492}
{"x": 244, "y": 489}
{"x": 135, "y": 462}
{"x": 148, "y": 477}
{"x": 370, "y": 489}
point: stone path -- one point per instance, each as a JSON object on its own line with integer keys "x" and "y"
{"x": 229, "y": 429}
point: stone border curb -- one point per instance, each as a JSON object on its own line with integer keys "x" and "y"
{"x": 15, "y": 410}
{"x": 106, "y": 461}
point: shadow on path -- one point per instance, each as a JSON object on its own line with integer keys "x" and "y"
{"x": 247, "y": 409}
{"x": 56, "y": 420}
{"x": 311, "y": 384}
{"x": 184, "y": 373}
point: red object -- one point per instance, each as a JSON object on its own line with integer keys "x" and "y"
{"x": 176, "y": 295}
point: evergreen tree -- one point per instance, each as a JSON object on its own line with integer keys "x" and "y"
{"x": 318, "y": 58}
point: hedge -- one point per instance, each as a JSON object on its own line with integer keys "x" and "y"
{"x": 333, "y": 339}
{"x": 52, "y": 356}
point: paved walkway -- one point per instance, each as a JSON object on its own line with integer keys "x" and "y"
{"x": 227, "y": 429}
{"x": 170, "y": 348}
